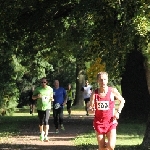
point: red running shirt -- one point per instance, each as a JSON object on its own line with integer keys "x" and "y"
{"x": 104, "y": 108}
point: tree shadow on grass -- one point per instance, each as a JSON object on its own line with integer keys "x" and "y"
{"x": 24, "y": 133}
{"x": 35, "y": 147}
{"x": 62, "y": 147}
{"x": 122, "y": 147}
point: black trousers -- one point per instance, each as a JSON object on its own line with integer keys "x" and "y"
{"x": 69, "y": 104}
{"x": 58, "y": 116}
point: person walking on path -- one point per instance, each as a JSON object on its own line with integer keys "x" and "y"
{"x": 87, "y": 90}
{"x": 60, "y": 99}
{"x": 103, "y": 105}
{"x": 31, "y": 101}
{"x": 70, "y": 98}
{"x": 44, "y": 96}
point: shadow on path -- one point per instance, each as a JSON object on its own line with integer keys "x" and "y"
{"x": 28, "y": 137}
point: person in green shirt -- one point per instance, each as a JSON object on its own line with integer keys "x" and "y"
{"x": 44, "y": 95}
{"x": 70, "y": 98}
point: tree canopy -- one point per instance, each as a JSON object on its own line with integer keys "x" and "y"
{"x": 37, "y": 37}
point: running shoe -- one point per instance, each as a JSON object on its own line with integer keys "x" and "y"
{"x": 42, "y": 136}
{"x": 31, "y": 111}
{"x": 46, "y": 139}
{"x": 106, "y": 144}
{"x": 56, "y": 131}
{"x": 62, "y": 127}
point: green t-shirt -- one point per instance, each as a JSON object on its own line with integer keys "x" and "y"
{"x": 70, "y": 95}
{"x": 44, "y": 102}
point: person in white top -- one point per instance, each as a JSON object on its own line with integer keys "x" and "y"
{"x": 87, "y": 90}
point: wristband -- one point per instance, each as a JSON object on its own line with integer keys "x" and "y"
{"x": 118, "y": 112}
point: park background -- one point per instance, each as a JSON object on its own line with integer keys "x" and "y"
{"x": 72, "y": 40}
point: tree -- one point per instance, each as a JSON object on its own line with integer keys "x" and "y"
{"x": 93, "y": 70}
{"x": 117, "y": 28}
{"x": 39, "y": 31}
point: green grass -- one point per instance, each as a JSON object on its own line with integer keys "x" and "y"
{"x": 129, "y": 137}
{"x": 9, "y": 125}
{"x": 131, "y": 134}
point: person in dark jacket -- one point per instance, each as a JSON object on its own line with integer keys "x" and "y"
{"x": 31, "y": 101}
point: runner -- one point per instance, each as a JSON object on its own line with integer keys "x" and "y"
{"x": 105, "y": 119}
{"x": 70, "y": 98}
{"x": 60, "y": 99}
{"x": 87, "y": 90}
{"x": 44, "y": 96}
{"x": 31, "y": 101}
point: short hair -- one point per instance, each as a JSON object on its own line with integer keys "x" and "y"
{"x": 56, "y": 80}
{"x": 44, "y": 78}
{"x": 101, "y": 73}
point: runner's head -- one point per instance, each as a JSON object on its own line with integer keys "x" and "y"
{"x": 86, "y": 82}
{"x": 69, "y": 86}
{"x": 56, "y": 84}
{"x": 102, "y": 79}
{"x": 44, "y": 82}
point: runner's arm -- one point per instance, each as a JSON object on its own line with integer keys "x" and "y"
{"x": 36, "y": 95}
{"x": 119, "y": 97}
{"x": 91, "y": 105}
{"x": 51, "y": 95}
{"x": 65, "y": 96}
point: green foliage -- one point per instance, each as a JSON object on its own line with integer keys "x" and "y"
{"x": 53, "y": 38}
{"x": 11, "y": 72}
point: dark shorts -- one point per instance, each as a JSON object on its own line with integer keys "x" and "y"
{"x": 43, "y": 116}
{"x": 32, "y": 102}
{"x": 86, "y": 100}
{"x": 69, "y": 104}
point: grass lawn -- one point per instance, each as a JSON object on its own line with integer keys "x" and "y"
{"x": 129, "y": 137}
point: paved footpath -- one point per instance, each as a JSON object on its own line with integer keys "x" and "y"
{"x": 28, "y": 139}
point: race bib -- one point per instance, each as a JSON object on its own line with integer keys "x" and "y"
{"x": 45, "y": 98}
{"x": 102, "y": 105}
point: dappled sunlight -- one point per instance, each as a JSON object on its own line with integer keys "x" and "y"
{"x": 22, "y": 133}
{"x": 27, "y": 133}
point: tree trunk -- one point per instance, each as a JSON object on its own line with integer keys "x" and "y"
{"x": 134, "y": 88}
{"x": 80, "y": 79}
{"x": 147, "y": 68}
{"x": 146, "y": 139}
